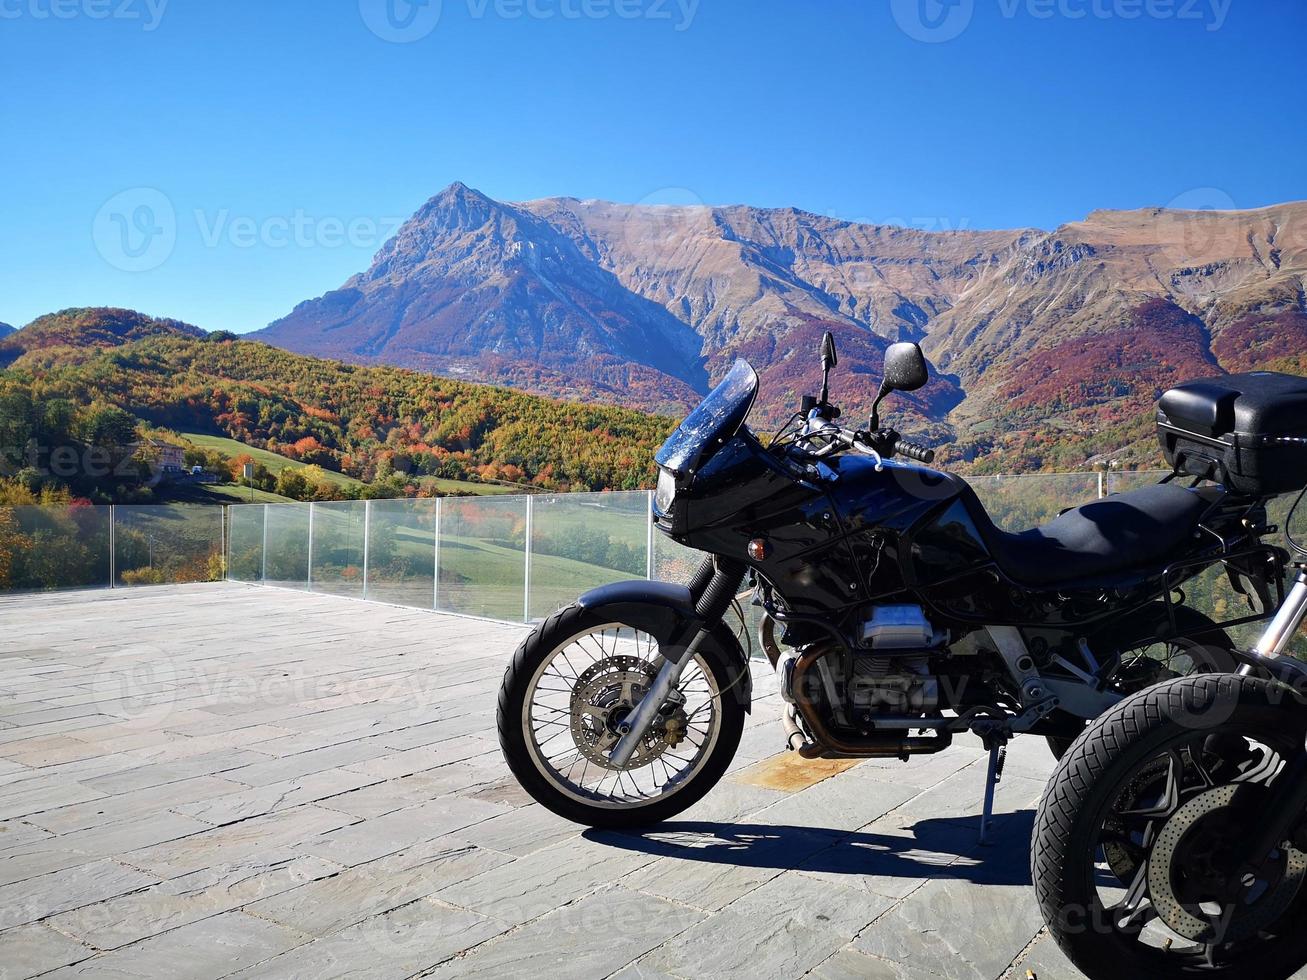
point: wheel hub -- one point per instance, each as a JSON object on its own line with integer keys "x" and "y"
{"x": 603, "y": 697}
{"x": 1195, "y": 879}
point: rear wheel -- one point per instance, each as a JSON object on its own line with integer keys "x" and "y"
{"x": 1199, "y": 647}
{"x": 569, "y": 687}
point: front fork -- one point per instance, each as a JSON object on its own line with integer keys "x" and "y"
{"x": 1289, "y": 799}
{"x": 712, "y": 588}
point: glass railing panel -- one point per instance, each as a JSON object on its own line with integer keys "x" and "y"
{"x": 54, "y": 548}
{"x": 338, "y": 550}
{"x": 158, "y": 545}
{"x": 582, "y": 540}
{"x": 483, "y": 557}
{"x": 245, "y": 542}
{"x": 286, "y": 563}
{"x": 401, "y": 552}
{"x": 1120, "y": 482}
{"x": 1016, "y": 503}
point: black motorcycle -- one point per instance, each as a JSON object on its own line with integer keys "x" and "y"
{"x": 1172, "y": 839}
{"x": 895, "y": 611}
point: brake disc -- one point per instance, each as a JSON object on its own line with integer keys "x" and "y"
{"x": 602, "y": 697}
{"x": 1186, "y": 871}
{"x": 1123, "y": 859}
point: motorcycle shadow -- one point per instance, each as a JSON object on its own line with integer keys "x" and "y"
{"x": 931, "y": 847}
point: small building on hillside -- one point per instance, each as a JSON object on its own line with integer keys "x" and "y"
{"x": 165, "y": 458}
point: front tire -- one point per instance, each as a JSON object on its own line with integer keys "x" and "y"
{"x": 575, "y": 676}
{"x": 1118, "y": 802}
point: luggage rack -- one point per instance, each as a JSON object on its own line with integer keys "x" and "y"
{"x": 1247, "y": 560}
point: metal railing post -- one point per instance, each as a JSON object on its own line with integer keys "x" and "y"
{"x": 526, "y": 575}
{"x": 1102, "y": 484}
{"x": 435, "y": 578}
{"x": 367, "y": 535}
{"x": 308, "y": 577}
{"x": 649, "y": 536}
{"x": 263, "y": 571}
{"x": 113, "y": 545}
{"x": 224, "y": 543}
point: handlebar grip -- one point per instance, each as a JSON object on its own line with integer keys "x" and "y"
{"x": 913, "y": 451}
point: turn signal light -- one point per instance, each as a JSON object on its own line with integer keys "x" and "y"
{"x": 758, "y": 549}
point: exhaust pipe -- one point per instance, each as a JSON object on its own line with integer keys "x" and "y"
{"x": 795, "y": 740}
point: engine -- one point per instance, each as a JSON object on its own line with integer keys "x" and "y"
{"x": 890, "y": 676}
{"x": 896, "y": 677}
{"x": 899, "y": 685}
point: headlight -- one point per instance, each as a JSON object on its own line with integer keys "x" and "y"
{"x": 666, "y": 492}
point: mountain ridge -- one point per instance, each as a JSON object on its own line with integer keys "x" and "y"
{"x": 1030, "y": 332}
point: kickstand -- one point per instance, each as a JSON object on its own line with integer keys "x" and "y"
{"x": 997, "y": 745}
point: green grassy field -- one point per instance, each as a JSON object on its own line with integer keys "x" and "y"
{"x": 275, "y": 464}
{"x": 208, "y": 493}
{"x": 272, "y": 461}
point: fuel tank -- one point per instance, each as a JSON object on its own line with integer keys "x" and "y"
{"x": 835, "y": 533}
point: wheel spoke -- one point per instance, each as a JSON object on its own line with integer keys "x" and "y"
{"x": 576, "y": 692}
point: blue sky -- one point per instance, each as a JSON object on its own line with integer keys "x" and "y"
{"x": 221, "y": 161}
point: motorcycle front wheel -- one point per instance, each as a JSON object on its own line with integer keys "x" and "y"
{"x": 564, "y": 696}
{"x": 1136, "y": 855}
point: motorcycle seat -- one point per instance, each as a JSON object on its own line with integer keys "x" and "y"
{"x": 1140, "y": 529}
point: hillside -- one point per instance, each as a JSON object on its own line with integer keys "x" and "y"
{"x": 1047, "y": 347}
{"x": 366, "y": 424}
{"x": 89, "y": 327}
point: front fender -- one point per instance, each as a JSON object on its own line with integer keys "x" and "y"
{"x": 665, "y": 611}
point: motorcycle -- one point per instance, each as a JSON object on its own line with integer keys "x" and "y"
{"x": 1171, "y": 841}
{"x": 896, "y": 612}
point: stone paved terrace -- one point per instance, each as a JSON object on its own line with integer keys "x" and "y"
{"x": 221, "y": 780}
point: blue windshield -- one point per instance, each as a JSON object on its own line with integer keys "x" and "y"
{"x": 718, "y": 417}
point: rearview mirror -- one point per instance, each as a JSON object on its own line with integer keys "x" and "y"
{"x": 905, "y": 368}
{"x": 828, "y": 357}
{"x": 828, "y": 361}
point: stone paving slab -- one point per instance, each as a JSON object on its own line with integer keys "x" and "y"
{"x": 222, "y": 780}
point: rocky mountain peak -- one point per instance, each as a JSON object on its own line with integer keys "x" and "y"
{"x": 646, "y": 305}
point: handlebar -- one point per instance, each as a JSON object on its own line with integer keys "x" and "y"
{"x": 914, "y": 451}
{"x": 878, "y": 442}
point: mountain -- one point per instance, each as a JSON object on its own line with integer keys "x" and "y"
{"x": 1046, "y": 346}
{"x": 5, "y": 330}
{"x": 88, "y": 327}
